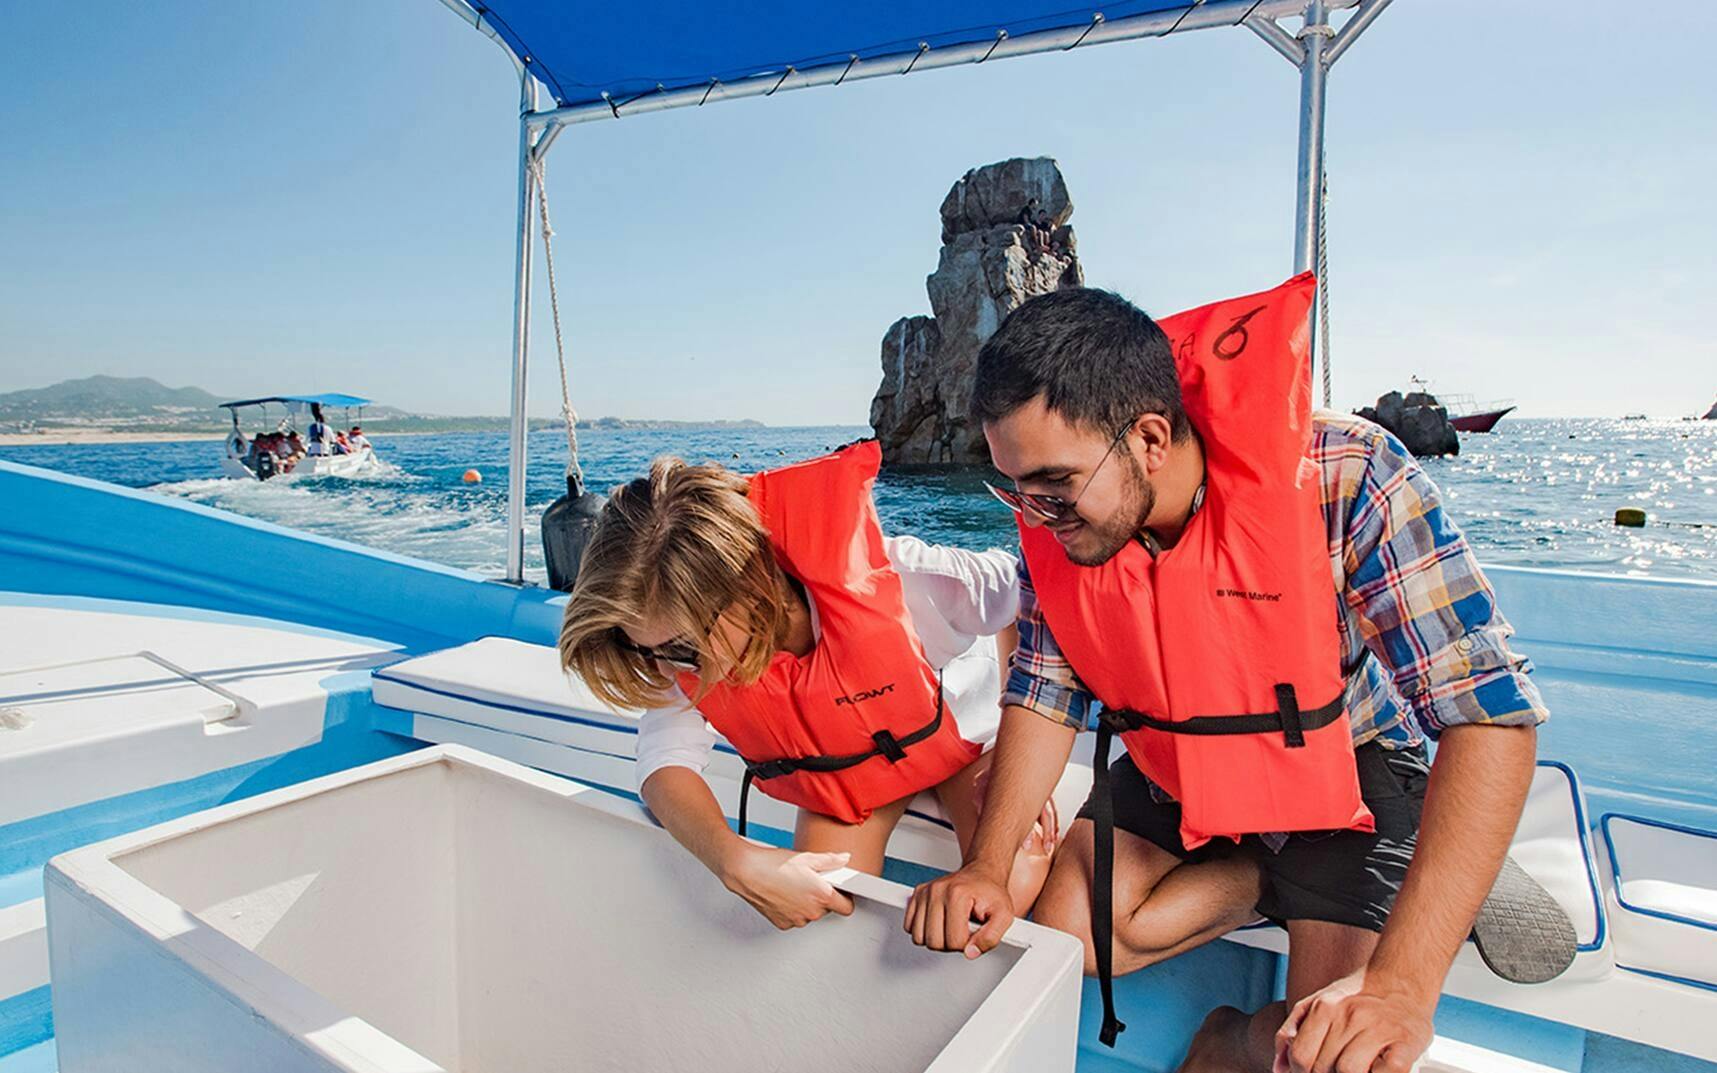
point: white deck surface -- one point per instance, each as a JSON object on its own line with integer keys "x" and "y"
{"x": 100, "y": 698}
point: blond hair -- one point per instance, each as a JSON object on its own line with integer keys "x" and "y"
{"x": 681, "y": 547}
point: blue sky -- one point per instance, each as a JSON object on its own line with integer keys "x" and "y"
{"x": 319, "y": 195}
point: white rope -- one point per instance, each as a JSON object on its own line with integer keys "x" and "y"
{"x": 1323, "y": 282}
{"x": 566, "y": 412}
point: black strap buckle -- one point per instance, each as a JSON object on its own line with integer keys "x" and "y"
{"x": 1120, "y": 720}
{"x": 1288, "y": 707}
{"x": 889, "y": 746}
{"x": 770, "y": 769}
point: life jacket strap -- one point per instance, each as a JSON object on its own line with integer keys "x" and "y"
{"x": 885, "y": 745}
{"x": 1103, "y": 885}
{"x": 1288, "y": 720}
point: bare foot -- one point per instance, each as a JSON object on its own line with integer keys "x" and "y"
{"x": 1219, "y": 1046}
{"x": 1031, "y": 863}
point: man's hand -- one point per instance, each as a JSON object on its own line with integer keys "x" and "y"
{"x": 784, "y": 886}
{"x": 1031, "y": 753}
{"x": 1363, "y": 1023}
{"x": 940, "y": 913}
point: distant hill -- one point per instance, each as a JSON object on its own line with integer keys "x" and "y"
{"x": 125, "y": 403}
{"x": 103, "y": 396}
{"x": 141, "y": 404}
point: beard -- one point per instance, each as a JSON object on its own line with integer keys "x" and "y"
{"x": 1110, "y": 535}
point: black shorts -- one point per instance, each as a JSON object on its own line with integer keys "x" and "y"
{"x": 1345, "y": 877}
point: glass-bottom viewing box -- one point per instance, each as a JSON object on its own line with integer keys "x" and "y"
{"x": 446, "y": 910}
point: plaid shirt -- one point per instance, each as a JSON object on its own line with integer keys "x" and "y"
{"x": 1409, "y": 591}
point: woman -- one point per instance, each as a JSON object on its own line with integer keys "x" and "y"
{"x": 844, "y": 667}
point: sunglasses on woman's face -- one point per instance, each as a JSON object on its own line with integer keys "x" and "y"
{"x": 681, "y": 654}
{"x": 1054, "y": 508}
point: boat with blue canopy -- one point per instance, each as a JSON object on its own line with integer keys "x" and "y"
{"x": 325, "y": 449}
{"x": 249, "y": 821}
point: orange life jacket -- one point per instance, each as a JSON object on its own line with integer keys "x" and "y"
{"x": 859, "y": 722}
{"x": 1218, "y": 660}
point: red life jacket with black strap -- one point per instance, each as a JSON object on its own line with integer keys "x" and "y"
{"x": 859, "y": 722}
{"x": 1218, "y": 661}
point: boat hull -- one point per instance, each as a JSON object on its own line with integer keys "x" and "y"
{"x": 1480, "y": 422}
{"x": 348, "y": 465}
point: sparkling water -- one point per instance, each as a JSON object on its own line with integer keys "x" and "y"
{"x": 1536, "y": 492}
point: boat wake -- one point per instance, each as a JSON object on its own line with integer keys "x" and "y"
{"x": 386, "y": 507}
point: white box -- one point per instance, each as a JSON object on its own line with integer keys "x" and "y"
{"x": 446, "y": 910}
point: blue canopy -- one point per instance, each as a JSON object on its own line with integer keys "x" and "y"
{"x": 334, "y": 399}
{"x": 584, "y": 51}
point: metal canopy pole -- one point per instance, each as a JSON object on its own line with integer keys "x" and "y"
{"x": 1309, "y": 201}
{"x": 1313, "y": 51}
{"x": 1310, "y": 173}
{"x": 516, "y": 445}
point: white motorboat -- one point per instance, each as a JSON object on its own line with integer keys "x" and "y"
{"x": 280, "y": 450}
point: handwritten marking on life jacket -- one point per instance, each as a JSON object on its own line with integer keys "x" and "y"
{"x": 1232, "y": 342}
{"x": 1248, "y": 594}
{"x": 865, "y": 694}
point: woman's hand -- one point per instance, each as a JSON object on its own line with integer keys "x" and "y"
{"x": 785, "y": 886}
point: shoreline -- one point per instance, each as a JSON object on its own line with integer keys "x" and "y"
{"x": 68, "y": 437}
{"x": 75, "y": 437}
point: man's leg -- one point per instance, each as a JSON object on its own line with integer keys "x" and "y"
{"x": 1335, "y": 891}
{"x": 1163, "y": 906}
{"x": 1319, "y": 953}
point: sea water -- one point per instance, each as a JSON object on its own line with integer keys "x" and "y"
{"x": 1536, "y": 492}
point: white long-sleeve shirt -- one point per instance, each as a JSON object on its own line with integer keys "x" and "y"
{"x": 958, "y": 600}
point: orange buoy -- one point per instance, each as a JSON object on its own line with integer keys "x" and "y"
{"x": 472, "y": 477}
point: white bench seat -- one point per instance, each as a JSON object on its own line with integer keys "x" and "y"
{"x": 1663, "y": 899}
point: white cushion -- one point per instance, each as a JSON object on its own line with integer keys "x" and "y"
{"x": 1663, "y": 903}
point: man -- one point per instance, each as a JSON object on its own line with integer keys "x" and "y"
{"x": 321, "y": 436}
{"x": 1082, "y": 407}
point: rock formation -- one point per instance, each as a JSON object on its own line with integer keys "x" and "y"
{"x": 1005, "y": 239}
{"x": 1419, "y": 421}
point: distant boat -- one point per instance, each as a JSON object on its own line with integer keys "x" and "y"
{"x": 1469, "y": 416}
{"x": 1479, "y": 419}
{"x": 1633, "y": 417}
{"x": 245, "y": 461}
{"x": 1465, "y": 414}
